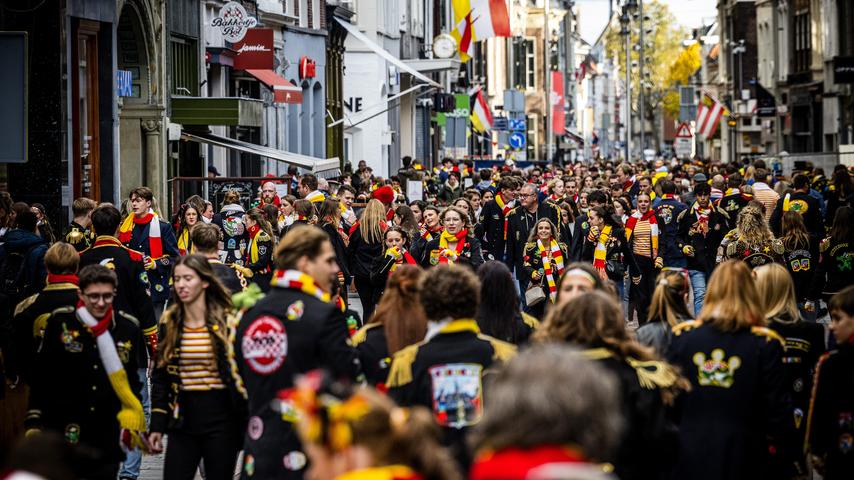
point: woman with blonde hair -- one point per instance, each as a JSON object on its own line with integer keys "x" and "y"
{"x": 751, "y": 241}
{"x": 738, "y": 408}
{"x": 594, "y": 322}
{"x": 398, "y": 321}
{"x": 669, "y": 308}
{"x": 456, "y": 244}
{"x": 804, "y": 339}
{"x": 366, "y": 243}
{"x": 360, "y": 434}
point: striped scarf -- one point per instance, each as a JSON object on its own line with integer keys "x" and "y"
{"x": 601, "y": 250}
{"x": 253, "y": 255}
{"x": 155, "y": 244}
{"x": 400, "y": 257}
{"x": 702, "y": 217}
{"x": 555, "y": 265}
{"x": 185, "y": 244}
{"x": 446, "y": 255}
{"x": 296, "y": 280}
{"x": 427, "y": 232}
{"x": 315, "y": 197}
{"x": 649, "y": 216}
{"x": 130, "y": 416}
{"x": 505, "y": 209}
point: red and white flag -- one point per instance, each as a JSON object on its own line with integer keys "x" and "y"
{"x": 709, "y": 114}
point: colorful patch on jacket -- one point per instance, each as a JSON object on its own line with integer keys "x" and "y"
{"x": 295, "y": 310}
{"x": 69, "y": 340}
{"x": 716, "y": 370}
{"x": 457, "y": 394}
{"x": 264, "y": 345}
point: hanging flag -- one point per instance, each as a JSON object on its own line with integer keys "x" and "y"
{"x": 481, "y": 116}
{"x": 476, "y": 20}
{"x": 556, "y": 99}
{"x": 709, "y": 114}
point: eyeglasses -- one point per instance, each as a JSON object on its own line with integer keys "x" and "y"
{"x": 95, "y": 297}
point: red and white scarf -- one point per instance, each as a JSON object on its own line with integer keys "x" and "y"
{"x": 155, "y": 244}
{"x": 551, "y": 266}
{"x": 649, "y": 216}
{"x": 446, "y": 254}
{"x": 296, "y": 280}
{"x": 702, "y": 214}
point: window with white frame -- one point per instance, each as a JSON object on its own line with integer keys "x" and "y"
{"x": 530, "y": 77}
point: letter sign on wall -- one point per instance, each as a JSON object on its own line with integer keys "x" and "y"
{"x": 233, "y": 22}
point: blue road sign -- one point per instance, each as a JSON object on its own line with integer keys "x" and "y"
{"x": 517, "y": 140}
{"x": 499, "y": 123}
{"x": 518, "y": 124}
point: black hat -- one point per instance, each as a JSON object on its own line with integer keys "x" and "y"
{"x": 212, "y": 169}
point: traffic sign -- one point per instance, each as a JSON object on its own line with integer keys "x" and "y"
{"x": 517, "y": 140}
{"x": 518, "y": 124}
{"x": 684, "y": 131}
{"x": 499, "y": 123}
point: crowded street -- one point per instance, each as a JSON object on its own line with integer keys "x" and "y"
{"x": 426, "y": 240}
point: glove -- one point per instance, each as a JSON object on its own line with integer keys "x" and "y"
{"x": 688, "y": 250}
{"x": 149, "y": 263}
{"x": 394, "y": 252}
{"x": 659, "y": 262}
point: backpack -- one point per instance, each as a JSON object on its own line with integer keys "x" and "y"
{"x": 13, "y": 273}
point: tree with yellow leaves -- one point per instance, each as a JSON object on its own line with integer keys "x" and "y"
{"x": 685, "y": 66}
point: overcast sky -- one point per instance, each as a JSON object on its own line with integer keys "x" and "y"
{"x": 690, "y": 13}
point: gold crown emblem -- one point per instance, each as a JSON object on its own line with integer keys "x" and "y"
{"x": 716, "y": 371}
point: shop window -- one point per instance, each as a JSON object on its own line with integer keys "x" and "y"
{"x": 185, "y": 66}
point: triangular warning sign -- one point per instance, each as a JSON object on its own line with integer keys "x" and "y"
{"x": 684, "y": 131}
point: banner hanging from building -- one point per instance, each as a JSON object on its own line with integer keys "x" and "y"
{"x": 556, "y": 99}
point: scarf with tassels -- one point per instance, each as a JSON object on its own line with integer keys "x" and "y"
{"x": 702, "y": 217}
{"x": 601, "y": 250}
{"x": 551, "y": 266}
{"x": 58, "y": 278}
{"x": 131, "y": 416}
{"x": 446, "y": 255}
{"x": 400, "y": 256}
{"x": 155, "y": 244}
{"x": 296, "y": 280}
{"x": 649, "y": 216}
{"x": 505, "y": 209}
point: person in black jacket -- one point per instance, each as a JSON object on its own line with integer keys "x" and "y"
{"x": 831, "y": 426}
{"x": 595, "y": 199}
{"x": 197, "y": 400}
{"x": 455, "y": 245}
{"x": 234, "y": 235}
{"x": 445, "y": 371}
{"x": 366, "y": 244}
{"x": 396, "y": 254}
{"x": 668, "y": 210}
{"x": 492, "y": 227}
{"x": 545, "y": 259}
{"x": 836, "y": 265}
{"x": 498, "y": 313}
{"x": 520, "y": 221}
{"x": 734, "y": 199}
{"x": 329, "y": 219}
{"x": 233, "y": 277}
{"x": 83, "y": 387}
{"x": 799, "y": 200}
{"x": 736, "y": 421}
{"x": 606, "y": 248}
{"x": 594, "y": 322}
{"x": 295, "y": 328}
{"x": 259, "y": 252}
{"x": 801, "y": 258}
{"x": 79, "y": 233}
{"x": 701, "y": 230}
{"x": 804, "y": 344}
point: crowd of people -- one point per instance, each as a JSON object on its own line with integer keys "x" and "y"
{"x": 598, "y": 320}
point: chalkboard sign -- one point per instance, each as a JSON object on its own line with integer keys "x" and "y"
{"x": 13, "y": 97}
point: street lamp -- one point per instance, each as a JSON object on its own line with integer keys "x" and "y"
{"x": 624, "y": 31}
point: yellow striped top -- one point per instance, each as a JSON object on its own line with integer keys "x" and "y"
{"x": 641, "y": 239}
{"x": 197, "y": 362}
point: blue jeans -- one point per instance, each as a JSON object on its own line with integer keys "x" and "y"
{"x": 130, "y": 467}
{"x": 698, "y": 285}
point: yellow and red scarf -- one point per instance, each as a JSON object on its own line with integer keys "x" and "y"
{"x": 155, "y": 244}
{"x": 601, "y": 250}
{"x": 252, "y": 254}
{"x": 505, "y": 209}
{"x": 427, "y": 232}
{"x": 446, "y": 255}
{"x": 649, "y": 216}
{"x": 296, "y": 280}
{"x": 400, "y": 257}
{"x": 555, "y": 265}
{"x": 185, "y": 244}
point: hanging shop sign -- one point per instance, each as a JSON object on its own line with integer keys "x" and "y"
{"x": 307, "y": 68}
{"x": 255, "y": 51}
{"x": 233, "y": 22}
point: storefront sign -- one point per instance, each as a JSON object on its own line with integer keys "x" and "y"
{"x": 843, "y": 69}
{"x": 255, "y": 51}
{"x": 307, "y": 68}
{"x": 233, "y": 22}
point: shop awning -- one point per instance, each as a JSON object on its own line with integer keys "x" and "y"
{"x": 283, "y": 90}
{"x": 316, "y": 165}
{"x": 430, "y": 65}
{"x": 354, "y": 31}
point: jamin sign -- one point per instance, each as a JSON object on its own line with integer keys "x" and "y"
{"x": 233, "y": 21}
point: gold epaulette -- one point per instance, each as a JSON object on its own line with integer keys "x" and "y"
{"x": 135, "y": 321}
{"x": 723, "y": 212}
{"x": 263, "y": 237}
{"x": 530, "y": 245}
{"x": 681, "y": 215}
{"x": 25, "y": 303}
{"x": 362, "y": 334}
{"x": 653, "y": 373}
{"x": 241, "y": 270}
{"x": 502, "y": 351}
{"x": 512, "y": 210}
{"x": 530, "y": 321}
{"x": 597, "y": 353}
{"x": 822, "y": 247}
{"x": 562, "y": 246}
{"x": 75, "y": 236}
{"x": 65, "y": 309}
{"x": 400, "y": 372}
{"x": 777, "y": 246}
{"x": 685, "y": 327}
{"x": 40, "y": 324}
{"x": 731, "y": 249}
{"x": 767, "y": 333}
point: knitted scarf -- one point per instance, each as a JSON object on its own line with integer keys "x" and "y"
{"x": 296, "y": 280}
{"x": 185, "y": 244}
{"x": 601, "y": 250}
{"x": 155, "y": 244}
{"x": 252, "y": 255}
{"x": 505, "y": 209}
{"x": 315, "y": 197}
{"x": 649, "y": 216}
{"x": 428, "y": 232}
{"x": 702, "y": 217}
{"x": 400, "y": 256}
{"x": 446, "y": 255}
{"x": 627, "y": 185}
{"x": 58, "y": 278}
{"x": 551, "y": 268}
{"x": 131, "y": 417}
